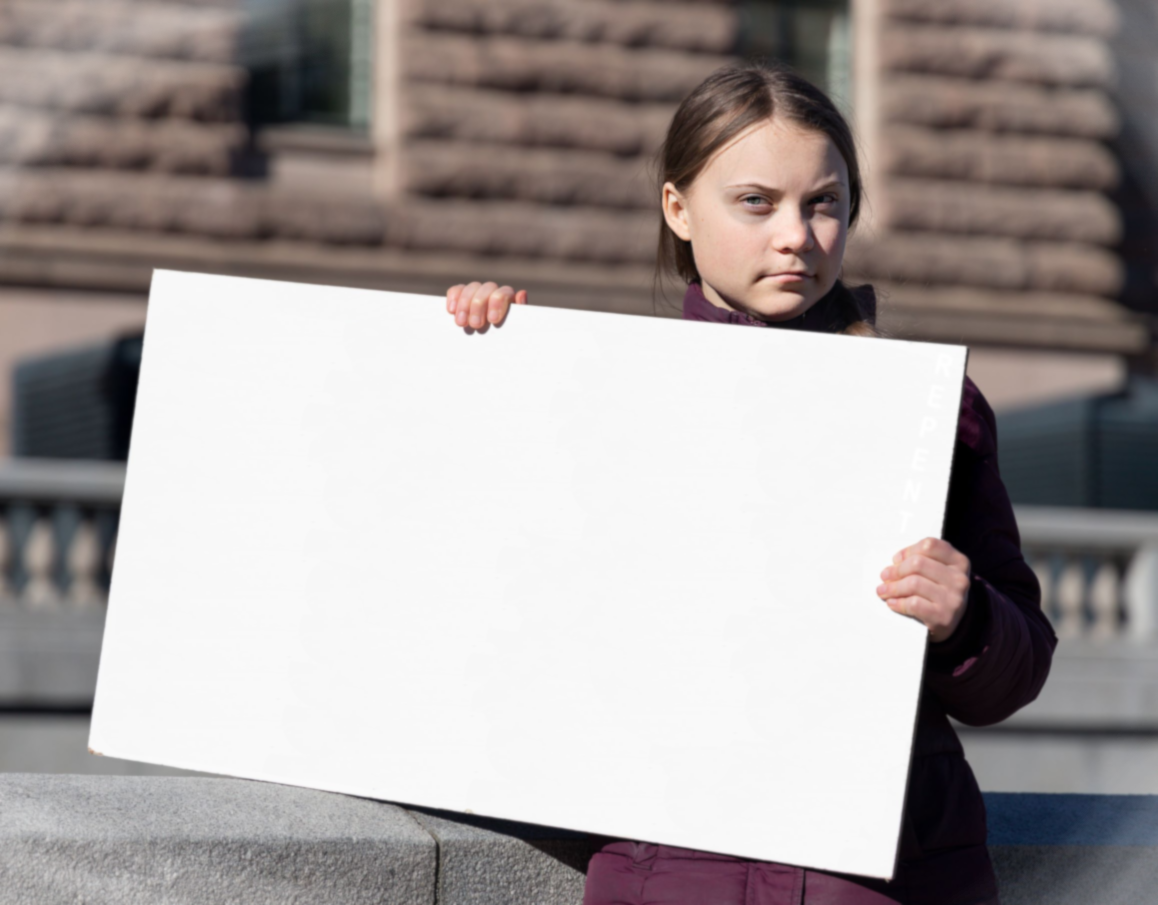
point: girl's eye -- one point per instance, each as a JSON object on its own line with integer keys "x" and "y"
{"x": 826, "y": 198}
{"x": 753, "y": 201}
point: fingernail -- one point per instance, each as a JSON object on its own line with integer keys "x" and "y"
{"x": 476, "y": 322}
{"x": 451, "y": 307}
{"x": 885, "y": 573}
{"x": 460, "y": 319}
{"x": 881, "y": 590}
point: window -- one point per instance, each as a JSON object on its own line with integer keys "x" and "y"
{"x": 812, "y": 36}
{"x": 309, "y": 61}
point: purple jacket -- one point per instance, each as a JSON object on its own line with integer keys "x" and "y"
{"x": 995, "y": 663}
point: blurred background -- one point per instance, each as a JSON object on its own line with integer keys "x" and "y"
{"x": 1011, "y": 156}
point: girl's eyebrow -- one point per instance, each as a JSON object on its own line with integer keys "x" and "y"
{"x": 768, "y": 190}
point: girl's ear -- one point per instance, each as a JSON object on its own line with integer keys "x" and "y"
{"x": 675, "y": 211}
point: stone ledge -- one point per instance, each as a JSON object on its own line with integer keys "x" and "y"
{"x": 130, "y": 840}
{"x": 139, "y": 841}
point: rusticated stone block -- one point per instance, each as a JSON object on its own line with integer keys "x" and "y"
{"x": 990, "y": 263}
{"x": 1073, "y": 268}
{"x": 121, "y": 86}
{"x": 1092, "y": 17}
{"x": 497, "y": 117}
{"x": 1003, "y": 160}
{"x": 204, "y": 4}
{"x": 524, "y": 230}
{"x": 216, "y": 208}
{"x": 459, "y": 169}
{"x": 329, "y": 222}
{"x": 555, "y": 66}
{"x": 130, "y": 27}
{"x": 956, "y": 207}
{"x": 710, "y": 28}
{"x": 948, "y": 103}
{"x": 33, "y": 138}
{"x": 995, "y": 54}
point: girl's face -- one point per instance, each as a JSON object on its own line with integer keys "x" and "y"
{"x": 767, "y": 219}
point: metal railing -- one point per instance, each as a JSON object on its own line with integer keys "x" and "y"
{"x": 58, "y": 528}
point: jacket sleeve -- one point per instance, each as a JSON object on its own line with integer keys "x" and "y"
{"x": 998, "y": 659}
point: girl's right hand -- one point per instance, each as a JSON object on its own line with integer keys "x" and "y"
{"x": 477, "y": 304}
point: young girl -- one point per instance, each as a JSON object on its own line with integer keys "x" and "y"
{"x": 760, "y": 185}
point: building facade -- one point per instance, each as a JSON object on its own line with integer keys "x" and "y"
{"x": 409, "y": 144}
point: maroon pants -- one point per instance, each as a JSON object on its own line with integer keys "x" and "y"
{"x": 629, "y": 873}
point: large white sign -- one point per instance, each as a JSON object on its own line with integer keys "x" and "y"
{"x": 603, "y": 572}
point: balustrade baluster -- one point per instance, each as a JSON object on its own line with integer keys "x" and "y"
{"x": 7, "y": 596}
{"x": 83, "y": 564}
{"x": 1071, "y": 594}
{"x": 39, "y": 591}
{"x": 1043, "y": 568}
{"x": 1106, "y": 600}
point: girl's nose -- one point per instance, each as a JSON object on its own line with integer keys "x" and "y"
{"x": 792, "y": 234}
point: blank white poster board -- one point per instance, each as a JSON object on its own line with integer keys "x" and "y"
{"x": 609, "y": 573}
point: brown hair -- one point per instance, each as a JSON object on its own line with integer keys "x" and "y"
{"x": 726, "y": 104}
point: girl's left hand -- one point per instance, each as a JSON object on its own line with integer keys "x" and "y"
{"x": 930, "y": 582}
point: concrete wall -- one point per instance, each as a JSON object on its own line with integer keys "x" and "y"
{"x": 1094, "y": 729}
{"x": 138, "y": 840}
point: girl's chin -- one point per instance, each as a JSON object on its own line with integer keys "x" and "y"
{"x": 783, "y": 307}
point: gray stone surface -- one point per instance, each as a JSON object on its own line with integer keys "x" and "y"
{"x": 1070, "y": 849}
{"x": 58, "y": 743}
{"x": 160, "y": 841}
{"x": 1076, "y": 874}
{"x": 49, "y": 657}
{"x": 498, "y": 862}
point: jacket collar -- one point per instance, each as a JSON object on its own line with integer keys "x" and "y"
{"x": 823, "y": 317}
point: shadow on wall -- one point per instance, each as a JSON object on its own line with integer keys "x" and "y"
{"x": 77, "y": 404}
{"x": 1094, "y": 452}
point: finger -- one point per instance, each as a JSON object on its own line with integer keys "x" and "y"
{"x": 913, "y": 607}
{"x": 951, "y": 577}
{"x": 462, "y": 305}
{"x": 478, "y": 304}
{"x": 934, "y": 548}
{"x": 499, "y": 303}
{"x": 914, "y": 586}
{"x": 452, "y": 297}
{"x": 521, "y": 297}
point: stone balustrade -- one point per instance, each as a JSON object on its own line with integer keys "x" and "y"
{"x": 58, "y": 524}
{"x": 143, "y": 840}
{"x": 1098, "y": 570}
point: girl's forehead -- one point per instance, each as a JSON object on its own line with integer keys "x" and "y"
{"x": 777, "y": 151}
